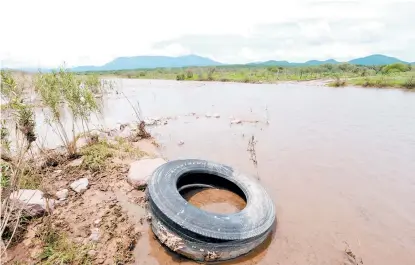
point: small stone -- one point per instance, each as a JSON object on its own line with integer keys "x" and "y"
{"x": 77, "y": 162}
{"x": 80, "y": 185}
{"x": 92, "y": 253}
{"x": 62, "y": 194}
{"x": 216, "y": 115}
{"x": 126, "y": 132}
{"x": 141, "y": 170}
{"x": 32, "y": 201}
{"x": 97, "y": 222}
{"x": 180, "y": 143}
{"x": 165, "y": 122}
{"x": 82, "y": 142}
{"x": 208, "y": 115}
{"x": 95, "y": 235}
{"x": 236, "y": 121}
{"x": 57, "y": 171}
{"x": 150, "y": 122}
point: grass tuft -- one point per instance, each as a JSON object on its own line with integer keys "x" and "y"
{"x": 58, "y": 249}
{"x": 95, "y": 155}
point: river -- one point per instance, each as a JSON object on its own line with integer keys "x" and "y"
{"x": 339, "y": 163}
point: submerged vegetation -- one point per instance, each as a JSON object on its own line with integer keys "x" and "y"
{"x": 393, "y": 75}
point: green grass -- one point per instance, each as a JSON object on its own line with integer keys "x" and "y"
{"x": 95, "y": 155}
{"x": 58, "y": 249}
{"x": 400, "y": 80}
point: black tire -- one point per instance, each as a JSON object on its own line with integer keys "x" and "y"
{"x": 203, "y": 235}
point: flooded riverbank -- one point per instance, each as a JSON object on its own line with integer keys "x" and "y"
{"x": 338, "y": 162}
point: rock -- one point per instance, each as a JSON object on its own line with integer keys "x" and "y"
{"x": 150, "y": 122}
{"x": 208, "y": 115}
{"x": 141, "y": 170}
{"x": 157, "y": 118}
{"x": 32, "y": 201}
{"x": 165, "y": 122}
{"x": 80, "y": 185}
{"x": 77, "y": 162}
{"x": 97, "y": 222}
{"x": 216, "y": 115}
{"x": 95, "y": 235}
{"x": 92, "y": 253}
{"x": 101, "y": 135}
{"x": 180, "y": 143}
{"x": 82, "y": 142}
{"x": 57, "y": 171}
{"x": 126, "y": 132}
{"x": 62, "y": 194}
{"x": 236, "y": 121}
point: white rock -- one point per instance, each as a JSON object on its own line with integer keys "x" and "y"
{"x": 157, "y": 118}
{"x": 126, "y": 132}
{"x": 208, "y": 115}
{"x": 32, "y": 201}
{"x": 82, "y": 142}
{"x": 141, "y": 170}
{"x": 62, "y": 194}
{"x": 101, "y": 135}
{"x": 216, "y": 115}
{"x": 77, "y": 162}
{"x": 80, "y": 185}
{"x": 95, "y": 235}
{"x": 150, "y": 122}
{"x": 180, "y": 143}
{"x": 97, "y": 222}
{"x": 236, "y": 121}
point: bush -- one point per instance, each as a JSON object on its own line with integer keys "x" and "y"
{"x": 77, "y": 93}
{"x": 410, "y": 82}
{"x": 395, "y": 68}
{"x": 189, "y": 74}
{"x": 338, "y": 82}
{"x": 180, "y": 77}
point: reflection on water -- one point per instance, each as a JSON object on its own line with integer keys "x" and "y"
{"x": 339, "y": 163}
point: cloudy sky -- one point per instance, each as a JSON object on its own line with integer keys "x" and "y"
{"x": 47, "y": 32}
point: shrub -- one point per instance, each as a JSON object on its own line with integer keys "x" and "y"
{"x": 395, "y": 68}
{"x": 410, "y": 82}
{"x": 189, "y": 74}
{"x": 180, "y": 77}
{"x": 78, "y": 94}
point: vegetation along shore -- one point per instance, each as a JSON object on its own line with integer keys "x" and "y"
{"x": 392, "y": 75}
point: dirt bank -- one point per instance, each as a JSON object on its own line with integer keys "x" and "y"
{"x": 96, "y": 224}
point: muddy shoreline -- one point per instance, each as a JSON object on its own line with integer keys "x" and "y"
{"x": 337, "y": 162}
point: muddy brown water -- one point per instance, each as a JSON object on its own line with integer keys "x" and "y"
{"x": 339, "y": 163}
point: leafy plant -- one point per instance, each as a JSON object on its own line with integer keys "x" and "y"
{"x": 78, "y": 95}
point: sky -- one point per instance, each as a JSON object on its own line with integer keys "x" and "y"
{"x": 46, "y": 33}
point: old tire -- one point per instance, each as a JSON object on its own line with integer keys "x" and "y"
{"x": 202, "y": 235}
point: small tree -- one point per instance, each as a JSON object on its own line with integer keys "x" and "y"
{"x": 77, "y": 93}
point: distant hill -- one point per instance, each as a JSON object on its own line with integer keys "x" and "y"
{"x": 376, "y": 59}
{"x": 149, "y": 62}
{"x": 315, "y": 62}
{"x": 286, "y": 63}
{"x": 272, "y": 63}
{"x": 142, "y": 62}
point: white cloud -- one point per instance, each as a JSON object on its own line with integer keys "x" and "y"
{"x": 48, "y": 32}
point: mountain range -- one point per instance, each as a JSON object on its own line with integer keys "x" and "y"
{"x": 151, "y": 62}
